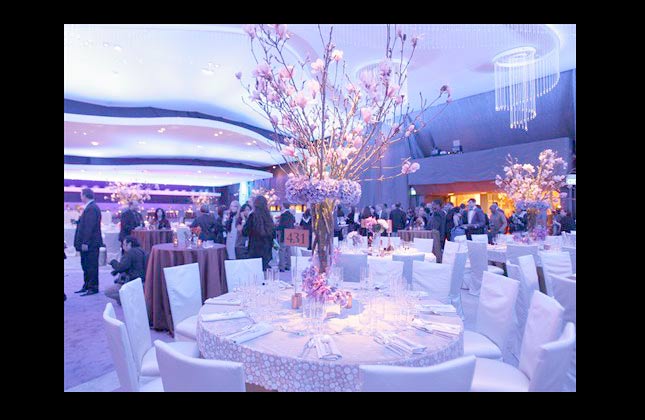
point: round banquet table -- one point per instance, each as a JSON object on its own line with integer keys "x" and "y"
{"x": 150, "y": 237}
{"x": 211, "y": 273}
{"x": 273, "y": 361}
{"x": 409, "y": 235}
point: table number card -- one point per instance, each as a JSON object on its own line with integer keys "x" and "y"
{"x": 296, "y": 237}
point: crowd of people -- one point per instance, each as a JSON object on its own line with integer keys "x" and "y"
{"x": 249, "y": 230}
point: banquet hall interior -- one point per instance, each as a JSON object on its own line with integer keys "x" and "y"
{"x": 320, "y": 208}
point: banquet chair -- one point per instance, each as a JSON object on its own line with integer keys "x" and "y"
{"x": 122, "y": 357}
{"x": 183, "y": 285}
{"x": 237, "y": 271}
{"x": 408, "y": 259}
{"x": 423, "y": 245}
{"x": 441, "y": 281}
{"x": 394, "y": 240}
{"x": 514, "y": 251}
{"x": 494, "y": 317}
{"x": 460, "y": 238}
{"x": 335, "y": 241}
{"x": 564, "y": 291}
{"x": 182, "y": 373}
{"x": 555, "y": 264}
{"x": 479, "y": 238}
{"x": 478, "y": 255}
{"x": 135, "y": 314}
{"x": 450, "y": 250}
{"x": 306, "y": 252}
{"x": 572, "y": 253}
{"x": 553, "y": 241}
{"x": 384, "y": 271}
{"x": 452, "y": 376}
{"x": 544, "y": 357}
{"x": 351, "y": 264}
{"x": 526, "y": 272}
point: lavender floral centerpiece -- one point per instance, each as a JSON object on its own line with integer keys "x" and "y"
{"x": 315, "y": 285}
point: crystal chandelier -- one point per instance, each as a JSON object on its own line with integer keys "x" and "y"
{"x": 521, "y": 76}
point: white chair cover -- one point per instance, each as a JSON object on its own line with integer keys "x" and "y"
{"x": 335, "y": 242}
{"x": 136, "y": 320}
{"x": 395, "y": 240}
{"x": 441, "y": 281}
{"x": 495, "y": 310}
{"x": 181, "y": 373}
{"x": 423, "y": 245}
{"x": 351, "y": 264}
{"x": 384, "y": 271}
{"x": 460, "y": 238}
{"x": 553, "y": 360}
{"x": 543, "y": 324}
{"x": 239, "y": 270}
{"x": 449, "y": 250}
{"x": 514, "y": 251}
{"x": 407, "y": 263}
{"x": 479, "y": 238}
{"x": 452, "y": 376}
{"x": 555, "y": 264}
{"x": 572, "y": 253}
{"x": 478, "y": 255}
{"x": 184, "y": 291}
{"x": 121, "y": 350}
{"x": 564, "y": 291}
{"x": 528, "y": 278}
{"x": 554, "y": 241}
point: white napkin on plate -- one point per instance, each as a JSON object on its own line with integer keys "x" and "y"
{"x": 221, "y": 316}
{"x": 284, "y": 285}
{"x": 438, "y": 307}
{"x": 255, "y": 331}
{"x": 440, "y": 327}
{"x": 326, "y": 350}
{"x": 223, "y": 301}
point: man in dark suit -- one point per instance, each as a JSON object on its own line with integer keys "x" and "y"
{"x": 398, "y": 218}
{"x": 131, "y": 266}
{"x": 206, "y": 222}
{"x": 87, "y": 241}
{"x": 474, "y": 219}
{"x": 130, "y": 219}
{"x": 437, "y": 219}
{"x": 287, "y": 221}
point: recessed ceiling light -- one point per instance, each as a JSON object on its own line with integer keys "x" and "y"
{"x": 105, "y": 44}
{"x": 248, "y": 144}
{"x": 95, "y": 143}
{"x": 161, "y": 130}
{"x": 75, "y": 132}
{"x": 117, "y": 48}
{"x": 82, "y": 170}
{"x": 199, "y": 146}
{"x": 221, "y": 132}
{"x": 228, "y": 173}
{"x": 84, "y": 133}
{"x": 255, "y": 142}
{"x": 142, "y": 142}
{"x": 215, "y": 134}
{"x": 207, "y": 72}
{"x": 199, "y": 172}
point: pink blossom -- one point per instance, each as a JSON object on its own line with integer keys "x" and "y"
{"x": 351, "y": 88}
{"x": 415, "y": 39}
{"x": 301, "y": 100}
{"x": 446, "y": 89}
{"x": 272, "y": 96}
{"x": 289, "y": 151}
{"x": 409, "y": 168}
{"x": 313, "y": 86}
{"x": 312, "y": 126}
{"x": 366, "y": 114}
{"x": 286, "y": 72}
{"x": 262, "y": 70}
{"x": 337, "y": 55}
{"x": 385, "y": 68}
{"x": 317, "y": 66}
{"x": 399, "y": 99}
{"x": 281, "y": 30}
{"x": 358, "y": 142}
{"x": 274, "y": 119}
{"x": 367, "y": 79}
{"x": 238, "y": 75}
{"x": 392, "y": 90}
{"x": 250, "y": 30}
{"x": 255, "y": 96}
{"x": 399, "y": 33}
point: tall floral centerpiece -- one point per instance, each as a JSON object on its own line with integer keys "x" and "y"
{"x": 534, "y": 189}
{"x": 270, "y": 195}
{"x": 124, "y": 192}
{"x": 329, "y": 127}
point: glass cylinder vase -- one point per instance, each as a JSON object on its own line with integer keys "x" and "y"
{"x": 323, "y": 233}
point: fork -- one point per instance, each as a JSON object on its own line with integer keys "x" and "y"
{"x": 306, "y": 349}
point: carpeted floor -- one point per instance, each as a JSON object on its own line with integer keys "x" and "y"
{"x": 88, "y": 362}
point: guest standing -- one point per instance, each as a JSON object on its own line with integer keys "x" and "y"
{"x": 261, "y": 231}
{"x": 497, "y": 222}
{"x": 437, "y": 220}
{"x": 518, "y": 221}
{"x": 366, "y": 214}
{"x": 160, "y": 220}
{"x": 131, "y": 267}
{"x": 87, "y": 241}
{"x": 398, "y": 218}
{"x": 130, "y": 220}
{"x": 475, "y": 218}
{"x": 566, "y": 221}
{"x": 305, "y": 222}
{"x": 287, "y": 221}
{"x": 206, "y": 223}
{"x": 231, "y": 229}
{"x": 241, "y": 241}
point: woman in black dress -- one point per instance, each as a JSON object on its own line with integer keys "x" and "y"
{"x": 260, "y": 230}
{"x": 305, "y": 222}
{"x": 160, "y": 220}
{"x": 367, "y": 213}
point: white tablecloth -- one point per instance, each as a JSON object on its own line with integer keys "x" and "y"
{"x": 272, "y": 361}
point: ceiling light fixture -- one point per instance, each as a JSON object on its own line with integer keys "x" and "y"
{"x": 142, "y": 142}
{"x": 161, "y": 130}
{"x": 95, "y": 143}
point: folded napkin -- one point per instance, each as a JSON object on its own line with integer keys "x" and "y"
{"x": 284, "y": 285}
{"x": 438, "y": 307}
{"x": 439, "y": 327}
{"x": 221, "y": 316}
{"x": 223, "y": 301}
{"x": 247, "y": 334}
{"x": 326, "y": 348}
{"x": 401, "y": 343}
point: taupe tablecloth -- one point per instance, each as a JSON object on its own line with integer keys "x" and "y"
{"x": 409, "y": 235}
{"x": 148, "y": 238}
{"x": 211, "y": 271}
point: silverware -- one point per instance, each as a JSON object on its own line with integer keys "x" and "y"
{"x": 242, "y": 331}
{"x": 306, "y": 349}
